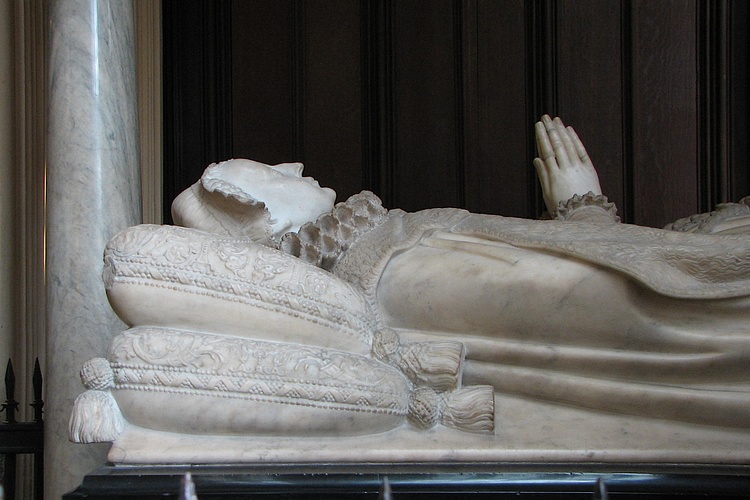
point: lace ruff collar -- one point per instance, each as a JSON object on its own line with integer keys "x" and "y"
{"x": 323, "y": 241}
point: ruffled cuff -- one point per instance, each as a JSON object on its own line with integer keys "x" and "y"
{"x": 589, "y": 207}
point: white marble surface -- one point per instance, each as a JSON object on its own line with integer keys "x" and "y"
{"x": 526, "y": 431}
{"x": 93, "y": 190}
{"x": 374, "y": 335}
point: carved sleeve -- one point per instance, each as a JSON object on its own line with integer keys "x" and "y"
{"x": 726, "y": 218}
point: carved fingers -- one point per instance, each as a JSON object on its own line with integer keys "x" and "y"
{"x": 563, "y": 166}
{"x": 583, "y": 155}
{"x": 562, "y": 144}
{"x": 544, "y": 148}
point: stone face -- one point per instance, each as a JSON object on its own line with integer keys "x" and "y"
{"x": 441, "y": 335}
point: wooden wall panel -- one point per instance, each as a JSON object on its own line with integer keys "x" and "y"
{"x": 713, "y": 49}
{"x": 332, "y": 108}
{"x": 425, "y": 173}
{"x": 432, "y": 102}
{"x": 264, "y": 66}
{"x": 297, "y": 87}
{"x": 664, "y": 110}
{"x": 738, "y": 102}
{"x": 497, "y": 162}
{"x": 197, "y": 91}
{"x": 591, "y": 87}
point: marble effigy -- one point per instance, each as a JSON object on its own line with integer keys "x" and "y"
{"x": 291, "y": 330}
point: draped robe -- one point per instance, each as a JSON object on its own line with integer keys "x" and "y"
{"x": 608, "y": 316}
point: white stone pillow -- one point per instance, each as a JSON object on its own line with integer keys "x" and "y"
{"x": 197, "y": 383}
{"x": 184, "y": 278}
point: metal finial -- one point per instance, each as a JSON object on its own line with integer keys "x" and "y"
{"x": 11, "y": 405}
{"x": 38, "y": 403}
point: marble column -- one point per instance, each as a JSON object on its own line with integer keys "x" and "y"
{"x": 93, "y": 191}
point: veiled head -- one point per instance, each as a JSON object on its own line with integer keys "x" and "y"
{"x": 276, "y": 197}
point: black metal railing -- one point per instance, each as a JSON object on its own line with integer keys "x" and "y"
{"x": 17, "y": 438}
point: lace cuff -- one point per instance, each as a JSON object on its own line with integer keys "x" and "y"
{"x": 589, "y": 207}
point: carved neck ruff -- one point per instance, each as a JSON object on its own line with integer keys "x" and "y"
{"x": 323, "y": 241}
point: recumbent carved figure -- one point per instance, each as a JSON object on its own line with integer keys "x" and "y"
{"x": 310, "y": 319}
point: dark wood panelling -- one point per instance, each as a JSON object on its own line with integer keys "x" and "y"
{"x": 372, "y": 35}
{"x": 713, "y": 92}
{"x": 265, "y": 118}
{"x": 541, "y": 71}
{"x": 424, "y": 43}
{"x": 298, "y": 87}
{"x": 541, "y": 65}
{"x": 498, "y": 162}
{"x": 378, "y": 125}
{"x": 664, "y": 108}
{"x": 333, "y": 95}
{"x": 739, "y": 100}
{"x": 432, "y": 102}
{"x": 590, "y": 86}
{"x": 197, "y": 91}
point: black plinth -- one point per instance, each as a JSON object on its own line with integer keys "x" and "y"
{"x": 338, "y": 481}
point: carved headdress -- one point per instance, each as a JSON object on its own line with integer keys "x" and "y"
{"x": 217, "y": 205}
